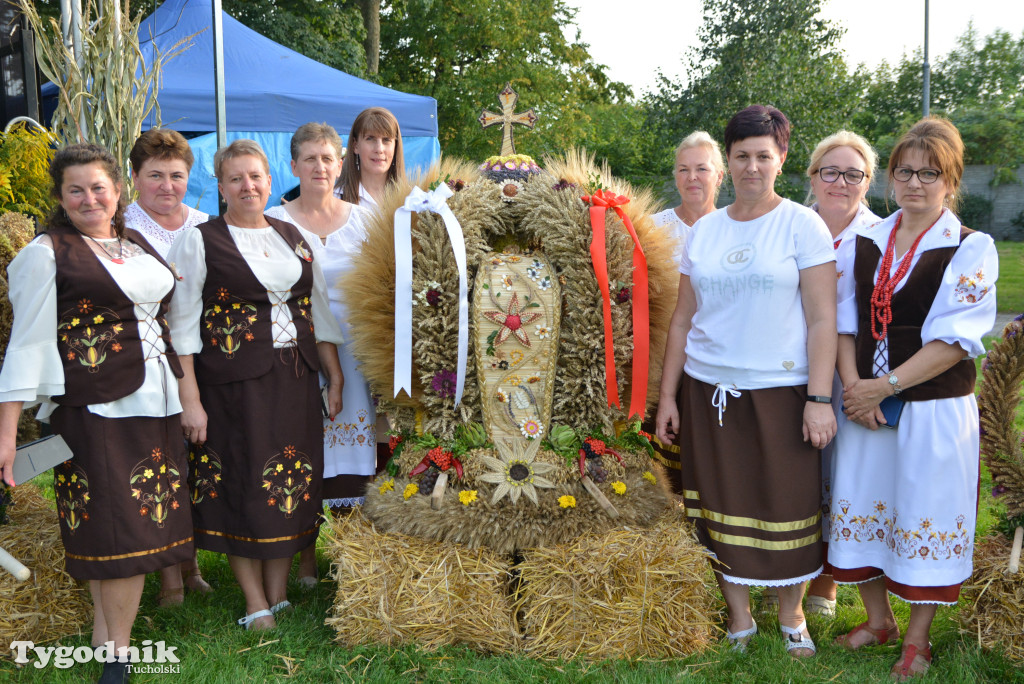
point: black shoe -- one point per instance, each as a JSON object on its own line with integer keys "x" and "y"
{"x": 115, "y": 673}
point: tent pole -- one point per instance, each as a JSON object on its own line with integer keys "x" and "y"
{"x": 218, "y": 73}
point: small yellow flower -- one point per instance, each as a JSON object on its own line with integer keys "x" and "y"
{"x": 236, "y": 306}
{"x": 386, "y": 487}
{"x": 649, "y": 476}
{"x": 216, "y": 309}
{"x": 74, "y": 478}
{"x": 410, "y": 490}
{"x": 619, "y": 487}
{"x": 567, "y": 501}
{"x": 60, "y": 478}
{"x": 97, "y": 319}
{"x": 163, "y": 469}
{"x": 75, "y": 322}
{"x": 279, "y": 467}
{"x": 148, "y": 474}
{"x": 204, "y": 459}
{"x": 298, "y": 464}
{"x": 467, "y": 496}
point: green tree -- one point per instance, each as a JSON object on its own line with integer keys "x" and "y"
{"x": 461, "y": 52}
{"x": 329, "y": 32}
{"x": 778, "y": 53}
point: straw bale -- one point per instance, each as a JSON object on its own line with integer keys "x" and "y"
{"x": 49, "y": 605}
{"x": 395, "y": 590}
{"x": 994, "y": 599}
{"x": 629, "y": 593}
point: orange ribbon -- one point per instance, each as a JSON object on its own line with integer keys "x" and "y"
{"x": 600, "y": 202}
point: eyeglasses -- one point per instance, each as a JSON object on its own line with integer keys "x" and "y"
{"x": 831, "y": 174}
{"x": 926, "y": 176}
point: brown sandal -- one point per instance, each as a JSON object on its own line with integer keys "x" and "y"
{"x": 171, "y": 597}
{"x": 879, "y": 637}
{"x": 913, "y": 662}
{"x": 194, "y": 581}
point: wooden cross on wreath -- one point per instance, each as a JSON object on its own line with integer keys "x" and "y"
{"x": 508, "y": 98}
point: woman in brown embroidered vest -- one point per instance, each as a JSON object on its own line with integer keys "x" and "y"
{"x": 916, "y": 295}
{"x": 253, "y": 324}
{"x": 90, "y": 344}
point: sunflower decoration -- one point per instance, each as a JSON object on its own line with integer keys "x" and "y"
{"x": 517, "y": 472}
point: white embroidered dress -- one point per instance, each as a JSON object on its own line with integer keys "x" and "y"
{"x": 674, "y": 225}
{"x": 904, "y": 500}
{"x": 350, "y": 439}
{"x": 159, "y": 237}
{"x": 32, "y": 370}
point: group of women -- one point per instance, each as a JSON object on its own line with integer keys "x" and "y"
{"x": 818, "y": 378}
{"x": 817, "y": 381}
{"x": 256, "y": 360}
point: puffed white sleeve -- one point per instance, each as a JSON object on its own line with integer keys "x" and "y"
{"x": 32, "y": 369}
{"x": 964, "y": 310}
{"x": 325, "y": 325}
{"x": 846, "y": 287}
{"x": 188, "y": 263}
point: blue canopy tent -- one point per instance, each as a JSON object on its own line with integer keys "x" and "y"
{"x": 270, "y": 91}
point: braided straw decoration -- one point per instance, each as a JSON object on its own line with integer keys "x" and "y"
{"x": 1001, "y": 441}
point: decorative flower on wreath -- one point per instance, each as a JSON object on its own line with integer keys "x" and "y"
{"x": 388, "y": 486}
{"x": 567, "y": 501}
{"x": 467, "y": 496}
{"x": 429, "y": 295}
{"x": 443, "y": 383}
{"x": 286, "y": 477}
{"x": 543, "y": 331}
{"x": 410, "y": 490}
{"x": 512, "y": 321}
{"x": 531, "y": 428}
{"x": 534, "y": 269}
{"x": 155, "y": 489}
{"x": 649, "y": 476}
{"x": 619, "y": 487}
{"x": 544, "y": 283}
{"x": 517, "y": 473}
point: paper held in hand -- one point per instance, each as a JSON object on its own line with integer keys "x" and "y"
{"x": 39, "y": 456}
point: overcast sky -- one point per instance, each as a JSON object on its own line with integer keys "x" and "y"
{"x": 635, "y": 38}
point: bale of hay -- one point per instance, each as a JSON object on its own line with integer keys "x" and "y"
{"x": 396, "y": 590}
{"x": 629, "y": 593}
{"x": 994, "y": 599}
{"x": 49, "y": 605}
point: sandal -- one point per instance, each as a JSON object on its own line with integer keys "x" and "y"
{"x": 738, "y": 640}
{"x": 280, "y": 606}
{"x": 819, "y": 605}
{"x": 194, "y": 582}
{"x": 248, "y": 619}
{"x": 798, "y": 638}
{"x": 877, "y": 637}
{"x": 171, "y": 597}
{"x": 913, "y": 662}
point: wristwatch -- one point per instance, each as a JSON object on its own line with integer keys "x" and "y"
{"x": 894, "y": 382}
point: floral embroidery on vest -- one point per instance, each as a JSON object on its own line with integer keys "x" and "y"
{"x": 229, "y": 322}
{"x": 305, "y": 311}
{"x": 71, "y": 490}
{"x": 154, "y": 481}
{"x": 203, "y": 472}
{"x": 286, "y": 476}
{"x": 87, "y": 332}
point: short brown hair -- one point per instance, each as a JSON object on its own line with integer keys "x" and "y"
{"x": 315, "y": 132}
{"x": 939, "y": 139}
{"x": 81, "y": 155}
{"x": 373, "y": 120}
{"x": 160, "y": 143}
{"x": 242, "y": 147}
{"x": 756, "y": 121}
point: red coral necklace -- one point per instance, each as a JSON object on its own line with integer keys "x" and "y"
{"x": 885, "y": 286}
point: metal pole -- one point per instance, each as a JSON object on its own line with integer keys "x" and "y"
{"x": 927, "y": 67}
{"x": 79, "y": 53}
{"x": 65, "y": 23}
{"x": 218, "y": 74}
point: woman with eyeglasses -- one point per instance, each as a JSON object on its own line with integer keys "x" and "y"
{"x": 916, "y": 295}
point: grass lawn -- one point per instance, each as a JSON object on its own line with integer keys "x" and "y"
{"x": 214, "y": 650}
{"x": 1010, "y": 288}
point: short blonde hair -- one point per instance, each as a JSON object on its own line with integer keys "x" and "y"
{"x": 703, "y": 139}
{"x": 243, "y": 147}
{"x": 849, "y": 139}
{"x": 315, "y": 132}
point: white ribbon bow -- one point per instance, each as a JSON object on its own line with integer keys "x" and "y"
{"x": 721, "y": 397}
{"x": 418, "y": 201}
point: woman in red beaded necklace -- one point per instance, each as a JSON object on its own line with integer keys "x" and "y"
{"x": 916, "y": 294}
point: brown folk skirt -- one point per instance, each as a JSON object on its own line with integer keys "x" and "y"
{"x": 752, "y": 487}
{"x": 256, "y": 483}
{"x": 121, "y": 501}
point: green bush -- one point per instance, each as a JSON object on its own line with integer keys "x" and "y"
{"x": 25, "y": 156}
{"x": 975, "y": 211}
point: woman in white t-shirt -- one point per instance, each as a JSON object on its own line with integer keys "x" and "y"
{"x": 750, "y": 354}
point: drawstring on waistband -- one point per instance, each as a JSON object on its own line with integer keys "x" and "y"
{"x": 721, "y": 397}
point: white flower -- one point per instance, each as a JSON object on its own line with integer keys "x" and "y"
{"x": 531, "y": 428}
{"x": 543, "y": 332}
{"x": 516, "y": 473}
{"x": 544, "y": 283}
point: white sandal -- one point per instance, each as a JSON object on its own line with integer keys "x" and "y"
{"x": 795, "y": 639}
{"x": 280, "y": 606}
{"x": 738, "y": 640}
{"x": 819, "y": 605}
{"x": 248, "y": 619}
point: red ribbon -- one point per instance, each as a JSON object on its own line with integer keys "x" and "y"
{"x": 600, "y": 202}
